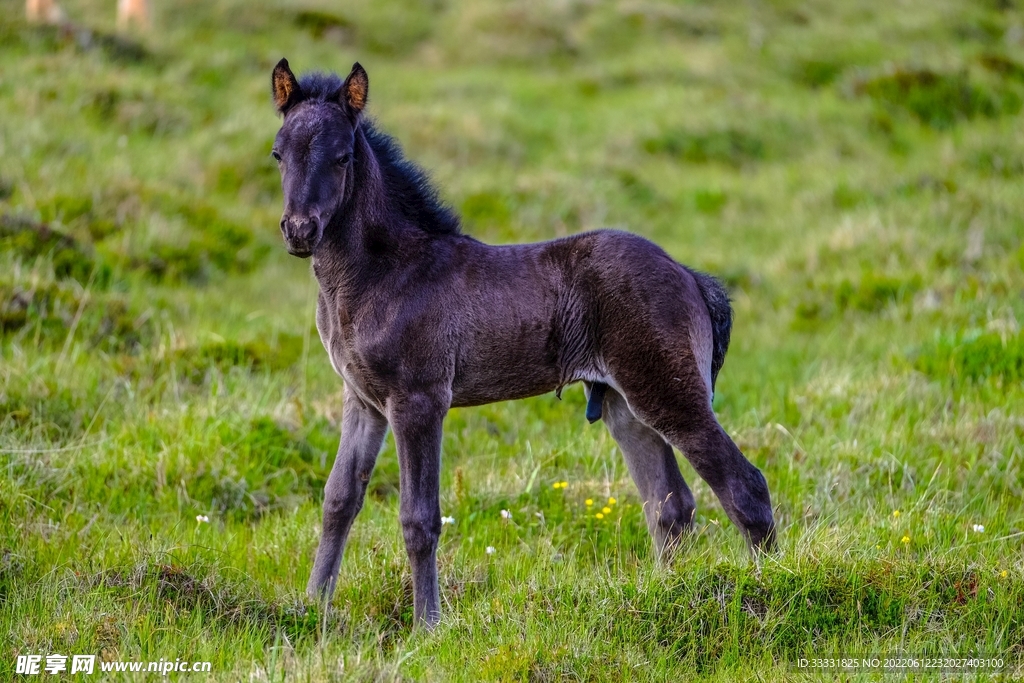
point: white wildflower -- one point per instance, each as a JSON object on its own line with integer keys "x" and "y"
{"x": 202, "y": 519}
{"x": 447, "y": 520}
{"x": 505, "y": 514}
{"x": 979, "y": 528}
{"x": 490, "y": 550}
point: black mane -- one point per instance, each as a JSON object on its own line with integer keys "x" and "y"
{"x": 407, "y": 185}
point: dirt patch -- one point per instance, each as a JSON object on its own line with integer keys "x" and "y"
{"x": 192, "y": 588}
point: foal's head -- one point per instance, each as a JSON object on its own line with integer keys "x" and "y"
{"x": 314, "y": 149}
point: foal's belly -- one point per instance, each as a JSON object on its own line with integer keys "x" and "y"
{"x": 503, "y": 367}
{"x": 505, "y": 385}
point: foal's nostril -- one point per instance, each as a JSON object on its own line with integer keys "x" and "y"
{"x": 304, "y": 229}
{"x": 296, "y": 227}
{"x": 301, "y": 234}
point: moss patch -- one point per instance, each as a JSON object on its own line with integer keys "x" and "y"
{"x": 939, "y": 100}
{"x": 31, "y": 240}
{"x": 972, "y": 356}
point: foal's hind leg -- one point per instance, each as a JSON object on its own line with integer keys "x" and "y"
{"x": 668, "y": 503}
{"x": 739, "y": 486}
{"x": 681, "y": 412}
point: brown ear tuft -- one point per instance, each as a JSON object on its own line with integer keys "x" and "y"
{"x": 356, "y": 88}
{"x": 285, "y": 88}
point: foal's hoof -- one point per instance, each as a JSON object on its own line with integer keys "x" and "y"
{"x": 427, "y": 622}
{"x": 320, "y": 593}
{"x": 762, "y": 541}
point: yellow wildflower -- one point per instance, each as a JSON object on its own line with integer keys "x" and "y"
{"x": 905, "y": 539}
{"x": 606, "y": 510}
{"x": 1004, "y": 573}
{"x": 589, "y": 502}
{"x": 895, "y": 514}
{"x": 612, "y": 501}
{"x": 599, "y": 515}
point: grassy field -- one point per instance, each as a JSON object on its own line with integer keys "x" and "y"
{"x": 853, "y": 171}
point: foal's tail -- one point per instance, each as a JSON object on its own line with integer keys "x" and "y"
{"x": 717, "y": 301}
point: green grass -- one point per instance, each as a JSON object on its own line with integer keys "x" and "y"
{"x": 852, "y": 170}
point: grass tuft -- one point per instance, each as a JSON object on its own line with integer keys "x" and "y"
{"x": 974, "y": 355}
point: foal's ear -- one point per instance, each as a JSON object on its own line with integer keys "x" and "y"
{"x": 355, "y": 90}
{"x": 287, "y": 92}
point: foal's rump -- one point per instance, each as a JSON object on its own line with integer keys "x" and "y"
{"x": 663, "y": 328}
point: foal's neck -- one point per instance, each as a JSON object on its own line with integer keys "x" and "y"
{"x": 369, "y": 237}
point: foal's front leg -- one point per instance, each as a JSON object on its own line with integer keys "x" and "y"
{"x": 417, "y": 421}
{"x": 362, "y": 434}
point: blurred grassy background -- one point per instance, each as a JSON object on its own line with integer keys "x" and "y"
{"x": 853, "y": 172}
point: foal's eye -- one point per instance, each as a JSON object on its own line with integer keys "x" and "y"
{"x": 344, "y": 159}
{"x": 277, "y": 157}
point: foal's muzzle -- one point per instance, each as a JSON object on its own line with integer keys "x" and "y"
{"x": 301, "y": 235}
